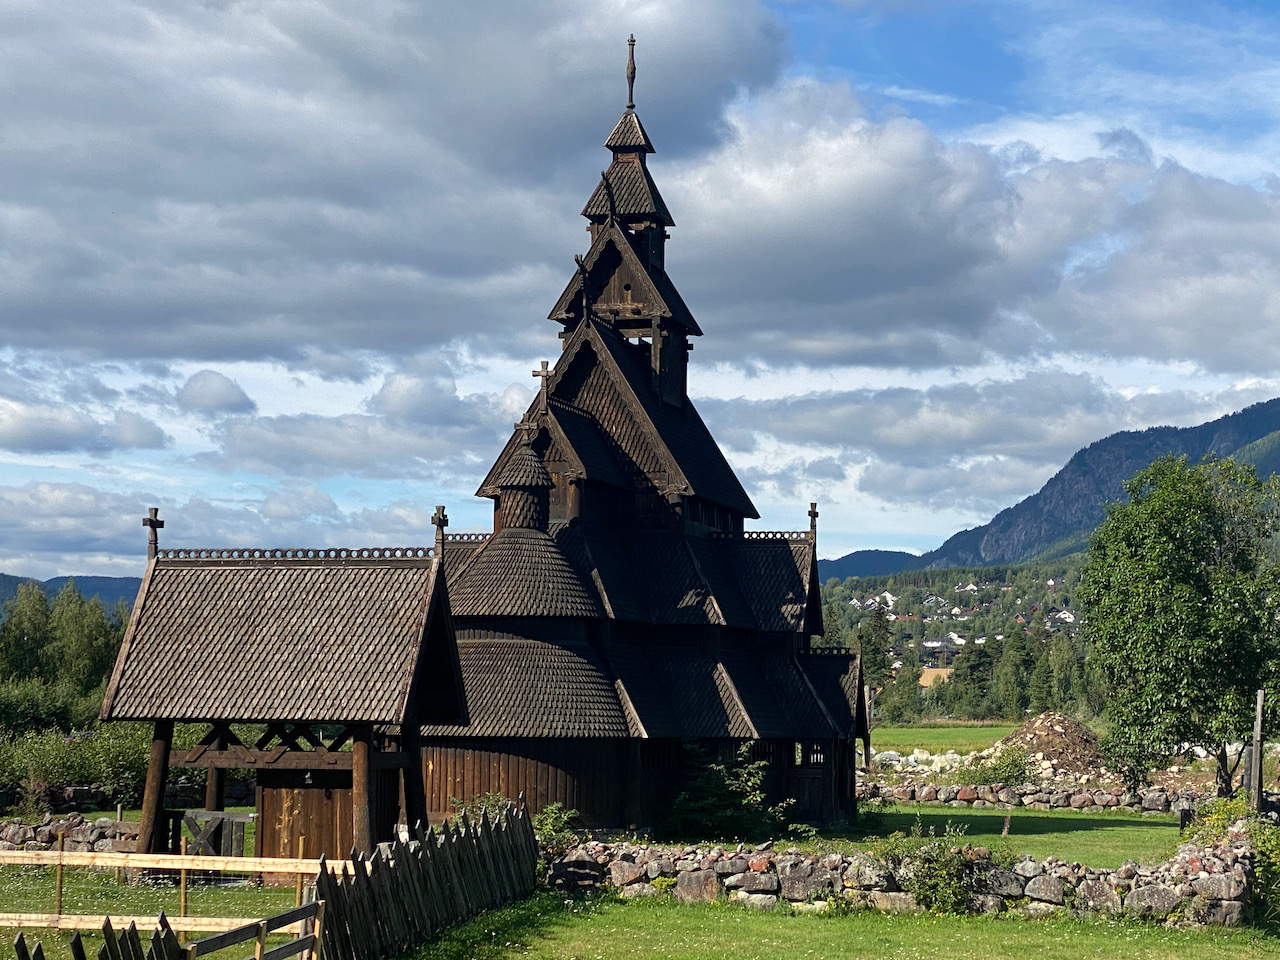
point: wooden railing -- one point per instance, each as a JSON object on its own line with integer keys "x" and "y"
{"x": 306, "y": 921}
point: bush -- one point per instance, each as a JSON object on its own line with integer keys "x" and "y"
{"x": 932, "y": 868}
{"x": 1008, "y": 767}
{"x": 724, "y": 799}
{"x": 552, "y": 826}
{"x": 107, "y": 754}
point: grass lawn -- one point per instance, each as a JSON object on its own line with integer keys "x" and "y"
{"x": 1105, "y": 840}
{"x": 939, "y": 738}
{"x": 546, "y": 928}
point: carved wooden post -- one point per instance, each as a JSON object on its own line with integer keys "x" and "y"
{"x": 215, "y": 789}
{"x": 153, "y": 793}
{"x": 415, "y": 793}
{"x": 361, "y": 788}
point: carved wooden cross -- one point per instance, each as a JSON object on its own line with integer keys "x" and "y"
{"x": 545, "y": 376}
{"x": 440, "y": 520}
{"x": 813, "y": 520}
{"x": 154, "y": 524}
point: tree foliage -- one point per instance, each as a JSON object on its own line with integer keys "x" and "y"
{"x": 1181, "y": 608}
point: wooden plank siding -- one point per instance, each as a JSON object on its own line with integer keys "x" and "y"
{"x": 583, "y": 775}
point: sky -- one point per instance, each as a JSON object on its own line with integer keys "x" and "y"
{"x": 282, "y": 269}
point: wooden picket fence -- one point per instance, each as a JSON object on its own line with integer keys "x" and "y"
{"x": 128, "y": 944}
{"x": 411, "y": 891}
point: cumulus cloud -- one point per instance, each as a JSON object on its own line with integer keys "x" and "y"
{"x": 52, "y": 427}
{"x": 209, "y": 392}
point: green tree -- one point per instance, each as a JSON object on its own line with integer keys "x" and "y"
{"x": 84, "y": 640}
{"x": 26, "y": 632}
{"x": 1182, "y": 611}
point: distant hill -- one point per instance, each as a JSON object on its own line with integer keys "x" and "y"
{"x": 1058, "y": 520}
{"x": 108, "y": 589}
{"x": 867, "y": 563}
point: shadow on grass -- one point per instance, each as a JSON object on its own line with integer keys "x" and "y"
{"x": 990, "y": 825}
{"x": 504, "y": 932}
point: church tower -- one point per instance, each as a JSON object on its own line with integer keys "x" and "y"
{"x": 615, "y": 427}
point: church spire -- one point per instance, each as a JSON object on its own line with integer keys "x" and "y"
{"x": 631, "y": 72}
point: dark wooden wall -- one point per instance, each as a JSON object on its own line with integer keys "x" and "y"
{"x": 289, "y": 808}
{"x": 583, "y": 775}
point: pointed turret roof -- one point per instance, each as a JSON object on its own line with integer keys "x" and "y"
{"x": 524, "y": 471}
{"x": 653, "y": 293}
{"x": 628, "y": 135}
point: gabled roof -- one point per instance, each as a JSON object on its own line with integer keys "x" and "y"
{"x": 311, "y": 636}
{"x": 628, "y": 134}
{"x": 656, "y": 288}
{"x": 836, "y": 679}
{"x": 692, "y": 452}
{"x": 520, "y": 572}
{"x": 529, "y": 688}
{"x": 635, "y": 195}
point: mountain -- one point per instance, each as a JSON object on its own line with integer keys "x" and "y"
{"x": 1059, "y": 518}
{"x": 867, "y": 563}
{"x": 108, "y": 589}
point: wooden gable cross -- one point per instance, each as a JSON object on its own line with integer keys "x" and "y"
{"x": 544, "y": 374}
{"x": 153, "y": 522}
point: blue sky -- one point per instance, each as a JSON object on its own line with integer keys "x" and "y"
{"x": 282, "y": 268}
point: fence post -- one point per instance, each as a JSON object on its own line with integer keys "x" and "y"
{"x": 57, "y": 885}
{"x": 182, "y": 887}
{"x": 297, "y": 893}
{"x": 1255, "y": 771}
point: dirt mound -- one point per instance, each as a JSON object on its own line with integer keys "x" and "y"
{"x": 1056, "y": 742}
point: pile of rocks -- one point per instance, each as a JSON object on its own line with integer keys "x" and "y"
{"x": 1041, "y": 796}
{"x": 1199, "y": 886}
{"x": 103, "y": 835}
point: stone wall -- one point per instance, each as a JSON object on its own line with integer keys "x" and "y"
{"x": 103, "y": 835}
{"x": 1199, "y": 886}
{"x": 1040, "y": 796}
{"x": 182, "y": 794}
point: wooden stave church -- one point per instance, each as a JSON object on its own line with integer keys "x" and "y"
{"x": 618, "y": 611}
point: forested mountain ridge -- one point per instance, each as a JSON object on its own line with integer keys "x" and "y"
{"x": 1059, "y": 518}
{"x": 107, "y": 589}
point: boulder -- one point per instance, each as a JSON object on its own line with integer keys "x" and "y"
{"x": 1045, "y": 889}
{"x": 1028, "y": 868}
{"x": 754, "y": 882}
{"x": 727, "y": 868}
{"x": 639, "y": 890}
{"x": 988, "y": 903}
{"x": 893, "y": 902}
{"x": 865, "y": 872}
{"x": 661, "y": 867}
{"x": 758, "y": 901}
{"x": 1220, "y": 886}
{"x": 1153, "y": 900}
{"x": 802, "y": 880}
{"x": 695, "y": 886}
{"x": 967, "y": 794}
{"x": 622, "y": 873}
{"x": 1001, "y": 883}
{"x": 1098, "y": 896}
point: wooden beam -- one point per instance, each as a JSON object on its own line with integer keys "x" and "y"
{"x": 70, "y": 921}
{"x": 153, "y": 792}
{"x": 166, "y": 861}
{"x": 240, "y": 758}
{"x": 215, "y": 793}
{"x": 361, "y": 788}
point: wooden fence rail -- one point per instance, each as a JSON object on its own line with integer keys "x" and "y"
{"x": 365, "y": 909}
{"x": 128, "y": 944}
{"x": 408, "y": 892}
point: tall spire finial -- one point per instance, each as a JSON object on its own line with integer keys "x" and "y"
{"x": 631, "y": 72}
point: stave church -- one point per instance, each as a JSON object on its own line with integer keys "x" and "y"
{"x": 620, "y": 611}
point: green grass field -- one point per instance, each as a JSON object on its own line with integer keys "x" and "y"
{"x": 1095, "y": 840}
{"x": 939, "y": 738}
{"x": 548, "y": 928}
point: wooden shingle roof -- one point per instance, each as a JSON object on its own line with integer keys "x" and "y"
{"x": 302, "y": 635}
{"x": 520, "y": 572}
{"x": 528, "y": 688}
{"x": 635, "y": 196}
{"x": 836, "y": 679}
{"x": 629, "y": 134}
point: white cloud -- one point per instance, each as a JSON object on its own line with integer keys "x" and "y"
{"x": 211, "y": 393}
